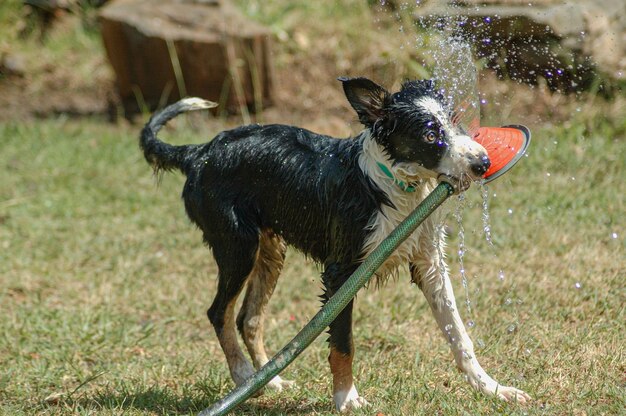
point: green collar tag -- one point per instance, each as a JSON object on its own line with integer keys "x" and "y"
{"x": 401, "y": 184}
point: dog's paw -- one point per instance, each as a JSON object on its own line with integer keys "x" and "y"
{"x": 241, "y": 371}
{"x": 279, "y": 384}
{"x": 353, "y": 404}
{"x": 511, "y": 394}
{"x": 492, "y": 388}
{"x": 347, "y": 400}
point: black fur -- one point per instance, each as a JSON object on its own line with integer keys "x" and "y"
{"x": 305, "y": 187}
{"x": 401, "y": 130}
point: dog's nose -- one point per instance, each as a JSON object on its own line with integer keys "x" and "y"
{"x": 481, "y": 165}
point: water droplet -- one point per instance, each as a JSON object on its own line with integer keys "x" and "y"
{"x": 466, "y": 355}
{"x": 577, "y": 285}
{"x": 510, "y": 211}
{"x": 471, "y": 324}
{"x": 485, "y": 215}
{"x": 461, "y": 251}
{"x": 501, "y": 275}
{"x": 614, "y": 236}
{"x": 508, "y": 301}
{"x": 511, "y": 328}
{"x": 448, "y": 328}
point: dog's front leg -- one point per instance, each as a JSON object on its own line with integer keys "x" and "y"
{"x": 345, "y": 394}
{"x": 432, "y": 278}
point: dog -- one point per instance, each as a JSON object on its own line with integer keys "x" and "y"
{"x": 257, "y": 189}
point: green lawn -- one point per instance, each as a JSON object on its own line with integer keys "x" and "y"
{"x": 104, "y": 285}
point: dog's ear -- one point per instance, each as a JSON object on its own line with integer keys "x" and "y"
{"x": 366, "y": 97}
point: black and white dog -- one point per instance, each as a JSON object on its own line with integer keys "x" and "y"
{"x": 256, "y": 189}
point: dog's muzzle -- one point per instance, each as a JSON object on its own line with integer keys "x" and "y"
{"x": 480, "y": 166}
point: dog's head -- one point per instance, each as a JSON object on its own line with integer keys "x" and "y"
{"x": 415, "y": 129}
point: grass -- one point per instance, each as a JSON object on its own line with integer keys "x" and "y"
{"x": 104, "y": 283}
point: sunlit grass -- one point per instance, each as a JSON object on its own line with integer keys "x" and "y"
{"x": 104, "y": 284}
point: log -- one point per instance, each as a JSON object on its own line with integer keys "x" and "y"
{"x": 163, "y": 50}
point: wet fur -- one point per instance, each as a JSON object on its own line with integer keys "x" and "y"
{"x": 255, "y": 189}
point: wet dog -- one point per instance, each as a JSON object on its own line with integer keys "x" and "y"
{"x": 257, "y": 189}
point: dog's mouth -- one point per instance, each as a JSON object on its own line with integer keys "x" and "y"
{"x": 414, "y": 174}
{"x": 459, "y": 183}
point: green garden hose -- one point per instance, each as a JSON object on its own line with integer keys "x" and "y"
{"x": 335, "y": 304}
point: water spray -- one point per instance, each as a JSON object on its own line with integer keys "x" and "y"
{"x": 505, "y": 146}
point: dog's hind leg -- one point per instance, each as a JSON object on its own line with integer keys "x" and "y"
{"x": 235, "y": 259}
{"x": 345, "y": 394}
{"x": 431, "y": 275}
{"x": 261, "y": 284}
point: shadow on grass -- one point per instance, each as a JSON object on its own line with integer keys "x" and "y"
{"x": 193, "y": 399}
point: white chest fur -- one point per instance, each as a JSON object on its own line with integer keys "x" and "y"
{"x": 388, "y": 218}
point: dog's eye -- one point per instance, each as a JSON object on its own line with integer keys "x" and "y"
{"x": 430, "y": 137}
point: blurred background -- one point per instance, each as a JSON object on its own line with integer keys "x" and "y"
{"x": 120, "y": 58}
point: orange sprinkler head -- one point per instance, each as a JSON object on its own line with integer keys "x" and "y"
{"x": 505, "y": 146}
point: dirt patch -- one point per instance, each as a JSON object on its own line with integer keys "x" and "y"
{"x": 54, "y": 95}
{"x": 67, "y": 73}
{"x": 63, "y": 73}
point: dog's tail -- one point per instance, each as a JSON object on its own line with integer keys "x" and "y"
{"x": 161, "y": 155}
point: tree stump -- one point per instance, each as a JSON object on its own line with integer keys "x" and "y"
{"x": 163, "y": 50}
